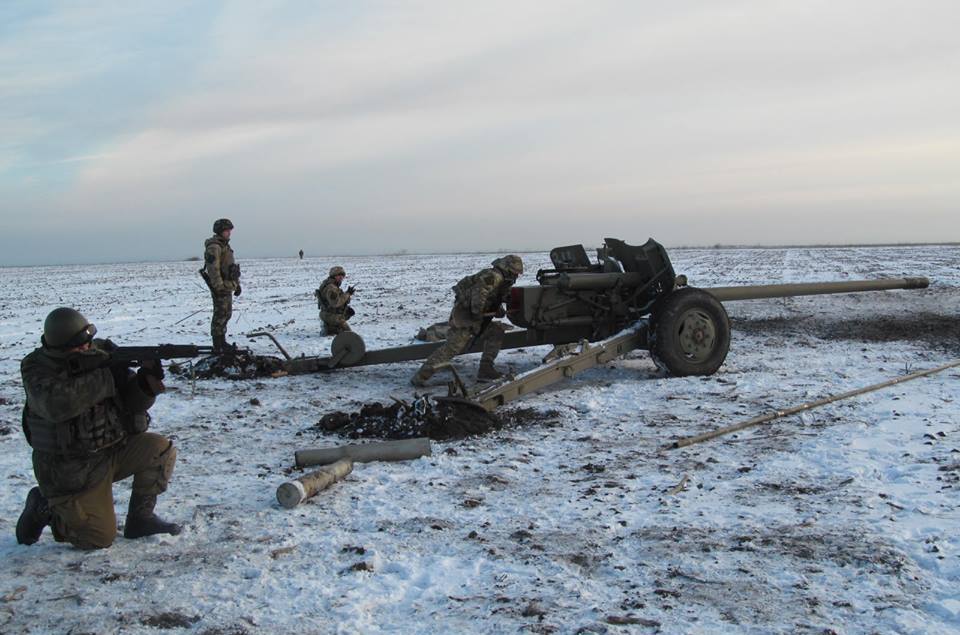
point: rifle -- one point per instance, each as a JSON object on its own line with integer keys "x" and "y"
{"x": 130, "y": 355}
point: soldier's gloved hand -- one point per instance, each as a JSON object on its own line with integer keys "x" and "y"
{"x": 350, "y": 290}
{"x": 236, "y": 292}
{"x": 153, "y": 367}
{"x": 151, "y": 385}
{"x": 105, "y": 345}
{"x": 150, "y": 377}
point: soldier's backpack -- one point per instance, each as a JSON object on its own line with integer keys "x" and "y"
{"x": 461, "y": 290}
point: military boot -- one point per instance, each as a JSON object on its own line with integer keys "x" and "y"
{"x": 488, "y": 372}
{"x": 36, "y": 515}
{"x": 141, "y": 521}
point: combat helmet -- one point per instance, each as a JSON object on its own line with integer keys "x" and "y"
{"x": 66, "y": 328}
{"x": 337, "y": 271}
{"x": 221, "y": 224}
{"x": 510, "y": 265}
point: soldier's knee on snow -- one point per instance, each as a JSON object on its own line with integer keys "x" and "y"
{"x": 92, "y": 532}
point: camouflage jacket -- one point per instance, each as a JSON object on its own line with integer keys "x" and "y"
{"x": 73, "y": 419}
{"x": 331, "y": 298}
{"x": 219, "y": 265}
{"x": 477, "y": 294}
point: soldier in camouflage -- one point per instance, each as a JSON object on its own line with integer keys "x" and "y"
{"x": 478, "y": 299}
{"x": 86, "y": 421}
{"x": 222, "y": 275}
{"x": 334, "y": 303}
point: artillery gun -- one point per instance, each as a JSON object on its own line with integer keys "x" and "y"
{"x": 593, "y": 312}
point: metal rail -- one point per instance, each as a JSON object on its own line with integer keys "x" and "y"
{"x": 589, "y": 356}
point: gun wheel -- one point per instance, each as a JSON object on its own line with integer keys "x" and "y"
{"x": 691, "y": 333}
{"x": 347, "y": 348}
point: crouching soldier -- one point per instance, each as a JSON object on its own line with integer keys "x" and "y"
{"x": 334, "y": 303}
{"x": 478, "y": 299}
{"x": 86, "y": 421}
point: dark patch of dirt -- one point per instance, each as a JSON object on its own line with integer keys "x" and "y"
{"x": 240, "y": 365}
{"x": 792, "y": 488}
{"x": 226, "y": 630}
{"x": 169, "y": 620}
{"x": 938, "y": 331}
{"x": 437, "y": 418}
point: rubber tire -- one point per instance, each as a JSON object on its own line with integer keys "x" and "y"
{"x": 672, "y": 315}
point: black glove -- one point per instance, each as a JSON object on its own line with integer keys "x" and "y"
{"x": 350, "y": 289}
{"x": 236, "y": 292}
{"x": 105, "y": 345}
{"x": 152, "y": 367}
{"x": 150, "y": 376}
{"x": 150, "y": 384}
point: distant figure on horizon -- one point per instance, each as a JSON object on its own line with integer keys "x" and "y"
{"x": 222, "y": 275}
{"x": 301, "y": 254}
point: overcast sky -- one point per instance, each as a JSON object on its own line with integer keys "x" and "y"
{"x": 375, "y": 127}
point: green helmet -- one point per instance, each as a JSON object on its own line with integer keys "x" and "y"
{"x": 510, "y": 265}
{"x": 337, "y": 271}
{"x": 66, "y": 328}
{"x": 221, "y": 224}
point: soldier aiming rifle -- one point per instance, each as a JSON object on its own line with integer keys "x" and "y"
{"x": 86, "y": 419}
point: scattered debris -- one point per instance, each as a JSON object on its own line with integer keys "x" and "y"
{"x": 439, "y": 418}
{"x": 170, "y": 620}
{"x": 241, "y": 365}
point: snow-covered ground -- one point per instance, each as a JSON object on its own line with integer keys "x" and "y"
{"x": 843, "y": 520}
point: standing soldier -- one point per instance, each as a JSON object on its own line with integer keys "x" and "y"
{"x": 222, "y": 275}
{"x": 301, "y": 254}
{"x": 334, "y": 302}
{"x": 478, "y": 299}
{"x": 86, "y": 421}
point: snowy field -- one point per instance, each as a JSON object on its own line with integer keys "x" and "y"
{"x": 842, "y": 520}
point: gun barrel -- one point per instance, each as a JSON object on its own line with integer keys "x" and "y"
{"x": 163, "y": 351}
{"x": 756, "y": 292}
{"x": 599, "y": 281}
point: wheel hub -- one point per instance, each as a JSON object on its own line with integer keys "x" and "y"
{"x": 696, "y": 334}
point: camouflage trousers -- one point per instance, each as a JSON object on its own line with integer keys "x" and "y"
{"x": 458, "y": 339}
{"x": 334, "y": 323}
{"x": 87, "y": 519}
{"x": 222, "y": 310}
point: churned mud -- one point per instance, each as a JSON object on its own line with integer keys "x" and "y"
{"x": 439, "y": 418}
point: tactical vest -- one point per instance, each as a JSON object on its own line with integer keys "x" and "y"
{"x": 322, "y": 299}
{"x": 96, "y": 429}
{"x": 461, "y": 290}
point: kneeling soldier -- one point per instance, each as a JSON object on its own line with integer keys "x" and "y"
{"x": 478, "y": 299}
{"x": 86, "y": 421}
{"x": 334, "y": 302}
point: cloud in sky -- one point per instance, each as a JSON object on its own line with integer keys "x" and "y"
{"x": 371, "y": 127}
